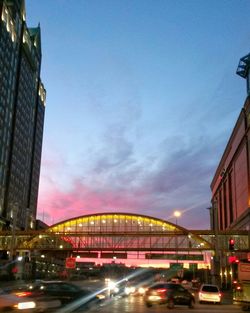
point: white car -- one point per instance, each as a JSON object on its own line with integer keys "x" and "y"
{"x": 12, "y": 303}
{"x": 210, "y": 293}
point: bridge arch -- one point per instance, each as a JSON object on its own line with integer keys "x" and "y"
{"x": 124, "y": 232}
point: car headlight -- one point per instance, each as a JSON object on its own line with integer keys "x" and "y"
{"x": 127, "y": 290}
{"x": 25, "y": 305}
{"x": 111, "y": 285}
{"x": 141, "y": 290}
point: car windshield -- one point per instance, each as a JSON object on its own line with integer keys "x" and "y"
{"x": 161, "y": 286}
{"x": 210, "y": 288}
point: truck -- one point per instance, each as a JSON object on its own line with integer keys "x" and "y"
{"x": 241, "y": 290}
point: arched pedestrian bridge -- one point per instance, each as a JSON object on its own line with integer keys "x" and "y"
{"x": 121, "y": 233}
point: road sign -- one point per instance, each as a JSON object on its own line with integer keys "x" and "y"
{"x": 70, "y": 262}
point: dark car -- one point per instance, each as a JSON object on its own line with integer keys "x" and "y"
{"x": 170, "y": 294}
{"x": 49, "y": 295}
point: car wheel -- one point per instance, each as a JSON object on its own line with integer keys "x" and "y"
{"x": 245, "y": 307}
{"x": 191, "y": 304}
{"x": 171, "y": 304}
{"x": 148, "y": 304}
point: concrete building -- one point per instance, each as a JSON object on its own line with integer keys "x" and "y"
{"x": 22, "y": 107}
{"x": 231, "y": 183}
{"x": 230, "y": 186}
{"x": 231, "y": 190}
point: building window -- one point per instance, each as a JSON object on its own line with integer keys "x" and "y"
{"x": 230, "y": 198}
{"x": 220, "y": 210}
{"x": 225, "y": 203}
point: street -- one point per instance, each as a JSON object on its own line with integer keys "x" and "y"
{"x": 135, "y": 304}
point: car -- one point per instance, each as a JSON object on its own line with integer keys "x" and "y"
{"x": 120, "y": 288}
{"x": 141, "y": 290}
{"x": 13, "y": 303}
{"x": 49, "y": 295}
{"x": 170, "y": 294}
{"x": 209, "y": 293}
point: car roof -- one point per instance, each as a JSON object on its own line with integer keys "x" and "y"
{"x": 50, "y": 281}
{"x": 165, "y": 284}
{"x": 212, "y": 285}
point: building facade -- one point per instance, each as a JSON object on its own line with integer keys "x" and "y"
{"x": 231, "y": 183}
{"x": 22, "y": 108}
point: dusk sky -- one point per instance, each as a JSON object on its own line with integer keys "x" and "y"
{"x": 142, "y": 97}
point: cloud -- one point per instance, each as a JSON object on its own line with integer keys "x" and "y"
{"x": 116, "y": 181}
{"x": 116, "y": 150}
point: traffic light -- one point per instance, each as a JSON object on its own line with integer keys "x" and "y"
{"x": 231, "y": 244}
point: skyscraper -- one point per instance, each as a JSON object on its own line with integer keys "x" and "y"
{"x": 22, "y": 108}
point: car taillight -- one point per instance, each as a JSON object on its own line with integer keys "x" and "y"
{"x": 220, "y": 294}
{"x": 23, "y": 294}
{"x": 200, "y": 293}
{"x": 161, "y": 290}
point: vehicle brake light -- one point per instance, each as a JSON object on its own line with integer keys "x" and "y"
{"x": 162, "y": 290}
{"x": 220, "y": 294}
{"x": 23, "y": 294}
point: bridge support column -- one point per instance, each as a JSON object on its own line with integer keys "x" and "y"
{"x": 216, "y": 269}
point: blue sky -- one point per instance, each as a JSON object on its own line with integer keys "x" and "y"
{"x": 142, "y": 97}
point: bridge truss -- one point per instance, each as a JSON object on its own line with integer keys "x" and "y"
{"x": 121, "y": 232}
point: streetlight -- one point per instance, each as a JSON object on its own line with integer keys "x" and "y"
{"x": 176, "y": 214}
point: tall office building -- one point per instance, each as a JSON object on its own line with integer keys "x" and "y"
{"x": 22, "y": 107}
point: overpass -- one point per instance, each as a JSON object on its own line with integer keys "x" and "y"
{"x": 123, "y": 233}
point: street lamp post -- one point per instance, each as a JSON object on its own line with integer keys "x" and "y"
{"x": 176, "y": 214}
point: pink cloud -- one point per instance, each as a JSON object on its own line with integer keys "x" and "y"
{"x": 56, "y": 205}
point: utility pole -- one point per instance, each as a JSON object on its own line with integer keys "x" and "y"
{"x": 177, "y": 214}
{"x": 217, "y": 257}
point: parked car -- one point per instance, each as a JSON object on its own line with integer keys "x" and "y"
{"x": 210, "y": 293}
{"x": 49, "y": 295}
{"x": 168, "y": 293}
